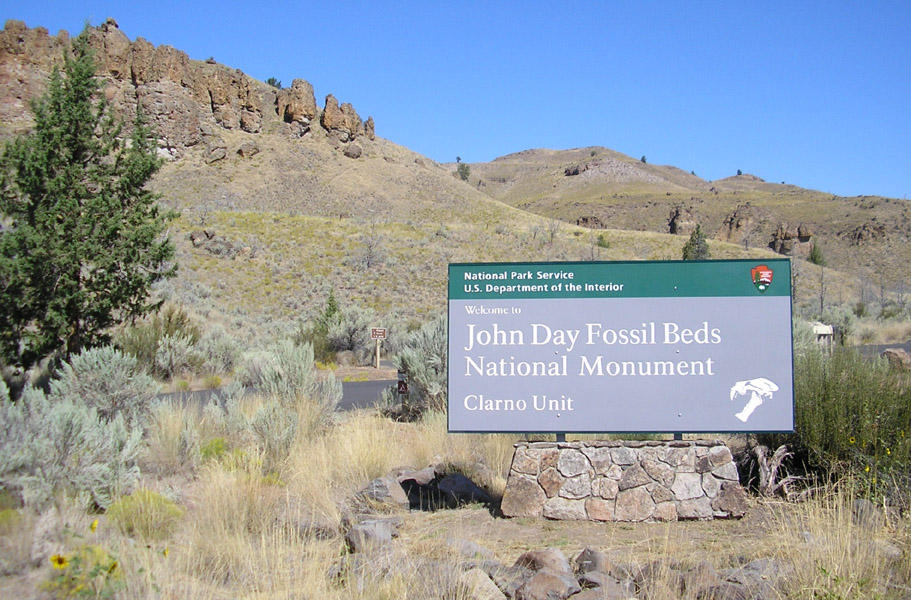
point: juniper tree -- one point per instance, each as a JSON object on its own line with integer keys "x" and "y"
{"x": 696, "y": 248}
{"x": 81, "y": 240}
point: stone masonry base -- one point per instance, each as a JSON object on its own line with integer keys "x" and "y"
{"x": 623, "y": 481}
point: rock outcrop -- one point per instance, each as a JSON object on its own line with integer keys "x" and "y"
{"x": 681, "y": 221}
{"x": 297, "y": 104}
{"x": 792, "y": 240}
{"x": 866, "y": 232}
{"x": 342, "y": 120}
{"x": 738, "y": 225}
{"x": 590, "y": 221}
{"x": 180, "y": 96}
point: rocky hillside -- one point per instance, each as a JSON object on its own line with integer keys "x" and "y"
{"x": 282, "y": 200}
{"x": 599, "y": 188}
{"x": 187, "y": 100}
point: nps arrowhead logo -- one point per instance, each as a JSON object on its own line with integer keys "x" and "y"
{"x": 762, "y": 277}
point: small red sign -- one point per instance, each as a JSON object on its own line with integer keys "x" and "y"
{"x": 378, "y": 333}
{"x": 403, "y": 387}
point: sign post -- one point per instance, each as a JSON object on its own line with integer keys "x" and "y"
{"x": 378, "y": 334}
{"x": 597, "y": 347}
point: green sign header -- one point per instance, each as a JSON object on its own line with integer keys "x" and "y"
{"x": 635, "y": 279}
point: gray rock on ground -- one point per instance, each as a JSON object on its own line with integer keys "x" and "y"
{"x": 371, "y": 533}
{"x": 481, "y": 586}
{"x": 384, "y": 490}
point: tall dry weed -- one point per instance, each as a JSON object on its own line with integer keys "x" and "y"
{"x": 834, "y": 553}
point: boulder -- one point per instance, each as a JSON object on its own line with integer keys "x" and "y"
{"x": 248, "y": 149}
{"x": 546, "y": 585}
{"x": 216, "y": 149}
{"x": 551, "y": 559}
{"x": 353, "y": 151}
{"x": 384, "y": 490}
{"x": 731, "y": 500}
{"x": 898, "y": 358}
{"x": 687, "y": 486}
{"x": 481, "y": 586}
{"x": 572, "y": 462}
{"x": 371, "y": 533}
{"x": 725, "y": 591}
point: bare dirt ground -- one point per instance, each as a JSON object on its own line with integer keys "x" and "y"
{"x": 723, "y": 543}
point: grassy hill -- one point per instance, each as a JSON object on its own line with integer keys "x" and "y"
{"x": 378, "y": 230}
{"x": 866, "y": 236}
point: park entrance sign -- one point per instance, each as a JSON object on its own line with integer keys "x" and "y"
{"x": 696, "y": 346}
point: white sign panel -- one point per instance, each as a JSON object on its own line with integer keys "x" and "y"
{"x": 621, "y": 347}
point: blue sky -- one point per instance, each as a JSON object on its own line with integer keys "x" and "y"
{"x": 811, "y": 93}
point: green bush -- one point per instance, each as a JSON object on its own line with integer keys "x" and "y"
{"x": 107, "y": 380}
{"x": 852, "y": 417}
{"x": 50, "y": 446}
{"x": 317, "y": 333}
{"x": 218, "y": 350}
{"x": 142, "y": 339}
{"x": 464, "y": 171}
{"x": 299, "y": 401}
{"x": 275, "y": 428}
{"x": 423, "y": 359}
{"x": 145, "y": 514}
{"x": 213, "y": 449}
{"x": 349, "y": 330}
{"x": 816, "y": 256}
{"x": 175, "y": 355}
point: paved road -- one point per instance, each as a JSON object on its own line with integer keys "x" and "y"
{"x": 355, "y": 394}
{"x": 873, "y": 351}
{"x": 361, "y": 394}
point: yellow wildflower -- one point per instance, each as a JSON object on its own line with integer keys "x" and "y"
{"x": 851, "y": 440}
{"x": 113, "y": 567}
{"x": 867, "y": 469}
{"x": 94, "y": 525}
{"x": 59, "y": 561}
{"x": 165, "y": 552}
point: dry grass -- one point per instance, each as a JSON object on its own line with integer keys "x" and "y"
{"x": 872, "y": 331}
{"x": 246, "y": 533}
{"x": 834, "y": 555}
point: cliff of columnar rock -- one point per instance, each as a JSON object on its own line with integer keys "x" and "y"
{"x": 186, "y": 100}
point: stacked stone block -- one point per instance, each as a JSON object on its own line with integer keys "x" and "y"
{"x": 623, "y": 481}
